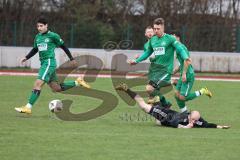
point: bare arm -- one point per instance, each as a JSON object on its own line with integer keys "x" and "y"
{"x": 222, "y": 127}
{"x": 176, "y": 70}
{"x": 190, "y": 125}
{"x": 187, "y": 62}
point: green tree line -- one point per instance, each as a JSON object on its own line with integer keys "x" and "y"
{"x": 205, "y": 25}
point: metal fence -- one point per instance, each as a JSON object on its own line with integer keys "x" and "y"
{"x": 219, "y": 38}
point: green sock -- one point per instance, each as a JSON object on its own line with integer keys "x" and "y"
{"x": 34, "y": 96}
{"x": 163, "y": 100}
{"x": 154, "y": 93}
{"x": 181, "y": 104}
{"x": 192, "y": 96}
{"x": 67, "y": 85}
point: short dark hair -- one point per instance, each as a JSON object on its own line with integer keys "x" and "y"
{"x": 158, "y": 21}
{"x": 177, "y": 33}
{"x": 42, "y": 20}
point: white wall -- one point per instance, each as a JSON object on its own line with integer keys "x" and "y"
{"x": 202, "y": 61}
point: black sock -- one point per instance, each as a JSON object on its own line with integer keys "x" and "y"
{"x": 131, "y": 93}
{"x": 36, "y": 91}
{"x": 62, "y": 87}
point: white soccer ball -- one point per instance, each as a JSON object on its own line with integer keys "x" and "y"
{"x": 55, "y": 105}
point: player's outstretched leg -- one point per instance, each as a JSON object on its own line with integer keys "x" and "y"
{"x": 141, "y": 103}
{"x": 165, "y": 102}
{"x": 152, "y": 100}
{"x": 24, "y": 109}
{"x": 122, "y": 87}
{"x": 32, "y": 99}
{"x": 70, "y": 84}
{"x": 181, "y": 104}
{"x": 202, "y": 91}
{"x": 158, "y": 97}
{"x": 206, "y": 92}
{"x": 181, "y": 98}
{"x": 80, "y": 82}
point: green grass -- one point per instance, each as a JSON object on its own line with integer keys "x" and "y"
{"x": 114, "y": 136}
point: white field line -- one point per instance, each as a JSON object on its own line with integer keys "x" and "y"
{"x": 203, "y": 78}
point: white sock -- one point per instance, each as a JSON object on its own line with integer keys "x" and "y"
{"x": 29, "y": 106}
{"x": 76, "y": 83}
{"x": 184, "y": 109}
{"x": 198, "y": 93}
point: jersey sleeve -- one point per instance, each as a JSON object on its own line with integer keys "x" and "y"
{"x": 57, "y": 40}
{"x": 35, "y": 43}
{"x": 180, "y": 50}
{"x": 148, "y": 51}
{"x": 146, "y": 45}
{"x": 201, "y": 123}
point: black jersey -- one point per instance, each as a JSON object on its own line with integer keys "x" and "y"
{"x": 172, "y": 118}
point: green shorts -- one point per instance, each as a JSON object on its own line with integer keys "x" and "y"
{"x": 158, "y": 76}
{"x": 47, "y": 72}
{"x": 184, "y": 88}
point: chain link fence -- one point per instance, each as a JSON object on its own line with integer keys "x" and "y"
{"x": 218, "y": 38}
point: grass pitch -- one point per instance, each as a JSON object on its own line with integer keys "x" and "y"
{"x": 124, "y": 133}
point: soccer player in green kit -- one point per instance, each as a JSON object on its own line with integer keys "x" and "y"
{"x": 45, "y": 43}
{"x": 187, "y": 76}
{"x": 161, "y": 49}
{"x": 149, "y": 32}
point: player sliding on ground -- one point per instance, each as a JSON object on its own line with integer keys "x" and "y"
{"x": 45, "y": 43}
{"x": 187, "y": 76}
{"x": 168, "y": 117}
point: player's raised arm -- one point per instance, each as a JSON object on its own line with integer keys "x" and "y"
{"x": 187, "y": 62}
{"x": 142, "y": 57}
{"x": 183, "y": 53}
{"x": 149, "y": 33}
{"x": 223, "y": 127}
{"x": 60, "y": 43}
{"x": 176, "y": 70}
{"x": 67, "y": 51}
{"x": 201, "y": 123}
{"x": 29, "y": 55}
{"x": 33, "y": 51}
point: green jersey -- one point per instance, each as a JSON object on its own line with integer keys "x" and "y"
{"x": 161, "y": 50}
{"x": 182, "y": 56}
{"x": 46, "y": 44}
{"x": 146, "y": 45}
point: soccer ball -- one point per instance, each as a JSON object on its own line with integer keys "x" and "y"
{"x": 55, "y": 105}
